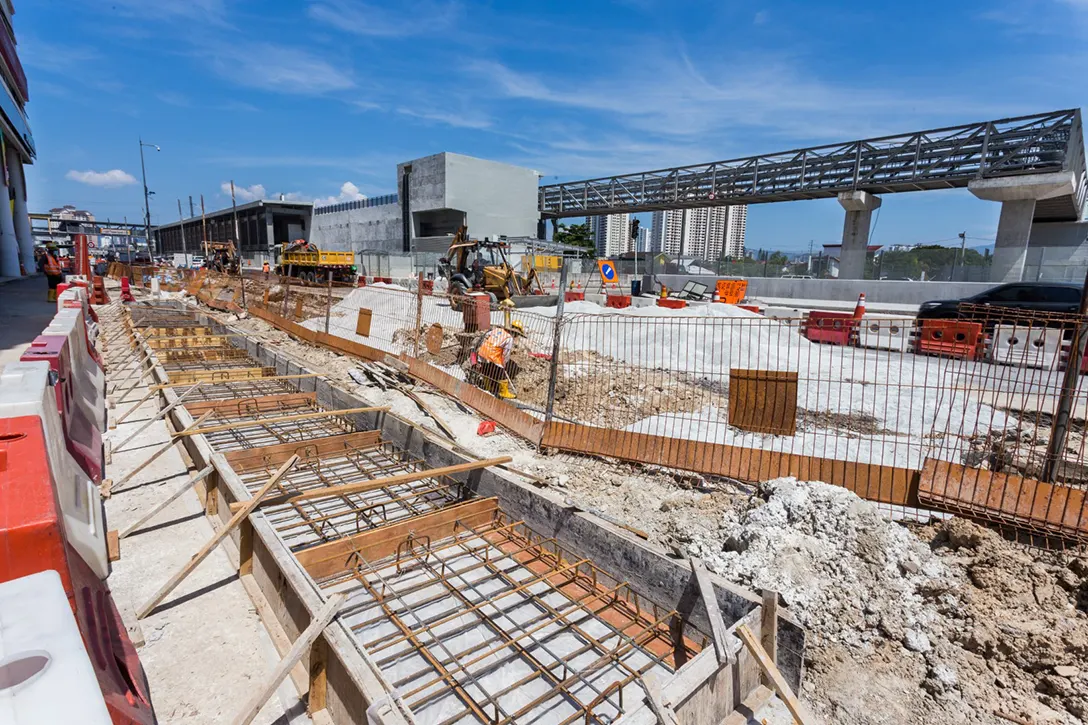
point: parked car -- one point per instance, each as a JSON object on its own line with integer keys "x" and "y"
{"x": 1020, "y": 296}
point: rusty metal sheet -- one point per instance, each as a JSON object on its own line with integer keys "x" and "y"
{"x": 763, "y": 401}
{"x": 433, "y": 339}
{"x": 1045, "y": 508}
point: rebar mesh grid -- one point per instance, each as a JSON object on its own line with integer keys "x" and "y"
{"x": 497, "y": 625}
{"x": 240, "y": 389}
{"x": 317, "y": 521}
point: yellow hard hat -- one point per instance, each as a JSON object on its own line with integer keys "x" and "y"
{"x": 516, "y": 326}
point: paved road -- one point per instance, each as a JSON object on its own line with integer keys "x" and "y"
{"x": 24, "y": 312}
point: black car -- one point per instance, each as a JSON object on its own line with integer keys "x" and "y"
{"x": 1025, "y": 297}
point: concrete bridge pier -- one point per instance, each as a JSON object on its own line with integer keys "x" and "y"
{"x": 1018, "y": 195}
{"x": 859, "y": 206}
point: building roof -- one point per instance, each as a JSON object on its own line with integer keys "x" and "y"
{"x": 272, "y": 204}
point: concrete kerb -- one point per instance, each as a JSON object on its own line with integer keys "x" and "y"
{"x": 647, "y": 567}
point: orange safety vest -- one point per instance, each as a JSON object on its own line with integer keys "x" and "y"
{"x": 497, "y": 346}
{"x": 51, "y": 266}
{"x": 265, "y": 266}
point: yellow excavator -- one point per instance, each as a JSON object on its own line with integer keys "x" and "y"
{"x": 472, "y": 265}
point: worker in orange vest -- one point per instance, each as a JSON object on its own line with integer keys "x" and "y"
{"x": 52, "y": 269}
{"x": 491, "y": 359}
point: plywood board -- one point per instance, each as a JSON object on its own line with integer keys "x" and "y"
{"x": 362, "y": 324}
{"x": 763, "y": 401}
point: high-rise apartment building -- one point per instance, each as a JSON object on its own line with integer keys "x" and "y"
{"x": 708, "y": 233}
{"x": 611, "y": 233}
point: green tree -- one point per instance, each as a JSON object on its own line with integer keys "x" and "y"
{"x": 576, "y": 235}
{"x": 778, "y": 259}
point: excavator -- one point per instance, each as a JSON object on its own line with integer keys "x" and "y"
{"x": 221, "y": 257}
{"x": 472, "y": 265}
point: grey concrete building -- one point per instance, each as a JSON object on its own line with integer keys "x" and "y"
{"x": 435, "y": 195}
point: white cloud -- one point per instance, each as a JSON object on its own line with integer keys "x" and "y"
{"x": 276, "y": 68}
{"x": 245, "y": 193}
{"x": 348, "y": 192}
{"x": 418, "y": 17}
{"x": 449, "y": 117}
{"x": 107, "y": 179}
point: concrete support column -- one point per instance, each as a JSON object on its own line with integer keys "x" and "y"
{"x": 859, "y": 206}
{"x": 9, "y": 244}
{"x": 21, "y": 216}
{"x": 1018, "y": 195}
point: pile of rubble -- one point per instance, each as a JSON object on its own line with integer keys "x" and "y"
{"x": 947, "y": 623}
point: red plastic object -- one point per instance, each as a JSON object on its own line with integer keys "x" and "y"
{"x": 126, "y": 291}
{"x": 833, "y": 328}
{"x": 574, "y": 296}
{"x": 361, "y": 282}
{"x": 671, "y": 303}
{"x": 751, "y": 308}
{"x": 82, "y": 437}
{"x": 617, "y": 301}
{"x": 33, "y": 539}
{"x": 486, "y": 428}
{"x": 951, "y": 338}
{"x": 428, "y": 286}
{"x": 98, "y": 292}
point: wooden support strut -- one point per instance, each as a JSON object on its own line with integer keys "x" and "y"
{"x": 220, "y": 535}
{"x": 188, "y": 484}
{"x": 305, "y": 641}
{"x": 161, "y": 414}
{"x": 769, "y": 668}
{"x": 280, "y": 419}
{"x": 718, "y": 629}
{"x": 378, "y": 483}
{"x": 162, "y": 449}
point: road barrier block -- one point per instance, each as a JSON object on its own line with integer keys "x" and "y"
{"x": 574, "y": 296}
{"x": 832, "y": 328}
{"x": 617, "y": 301}
{"x": 885, "y": 334}
{"x": 751, "y": 308}
{"x": 51, "y": 517}
{"x": 951, "y": 338}
{"x": 82, "y": 435}
{"x": 90, "y": 380}
{"x": 1026, "y": 346}
{"x": 671, "y": 303}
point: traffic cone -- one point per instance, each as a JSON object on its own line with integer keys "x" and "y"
{"x": 859, "y": 309}
{"x": 715, "y": 297}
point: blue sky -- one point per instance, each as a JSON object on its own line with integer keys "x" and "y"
{"x": 319, "y": 99}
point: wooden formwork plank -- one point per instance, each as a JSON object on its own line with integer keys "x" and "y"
{"x": 1048, "y": 508}
{"x": 249, "y": 459}
{"x": 224, "y": 375}
{"x": 763, "y": 401}
{"x": 328, "y": 559}
{"x": 884, "y": 484}
{"x": 255, "y": 422}
{"x": 258, "y": 404}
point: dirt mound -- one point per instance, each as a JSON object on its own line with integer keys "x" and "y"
{"x": 951, "y": 623}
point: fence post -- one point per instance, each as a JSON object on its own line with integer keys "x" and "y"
{"x": 419, "y": 314}
{"x": 556, "y": 337}
{"x": 328, "y": 304}
{"x": 287, "y": 288}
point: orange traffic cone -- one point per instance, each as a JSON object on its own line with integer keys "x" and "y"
{"x": 859, "y": 309}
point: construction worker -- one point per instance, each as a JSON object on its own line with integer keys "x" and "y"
{"x": 492, "y": 358}
{"x": 265, "y": 268}
{"x": 52, "y": 269}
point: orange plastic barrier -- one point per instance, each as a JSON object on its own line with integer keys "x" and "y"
{"x": 951, "y": 338}
{"x": 672, "y": 304}
{"x": 751, "y": 308}
{"x": 99, "y": 296}
{"x": 832, "y": 328}
{"x": 617, "y": 301}
{"x": 731, "y": 291}
{"x": 574, "y": 296}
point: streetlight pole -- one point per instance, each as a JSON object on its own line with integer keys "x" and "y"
{"x": 147, "y": 195}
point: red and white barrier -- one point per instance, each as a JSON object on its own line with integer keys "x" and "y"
{"x": 52, "y": 518}
{"x": 90, "y": 380}
{"x": 55, "y": 680}
{"x": 80, "y": 428}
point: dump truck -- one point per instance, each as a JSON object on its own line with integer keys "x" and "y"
{"x": 306, "y": 261}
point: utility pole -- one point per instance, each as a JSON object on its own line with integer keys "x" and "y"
{"x": 238, "y": 251}
{"x": 963, "y": 254}
{"x": 191, "y": 212}
{"x": 147, "y": 195}
{"x": 203, "y": 229}
{"x": 184, "y": 249}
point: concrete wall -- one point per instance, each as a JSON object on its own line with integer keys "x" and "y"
{"x": 499, "y": 199}
{"x": 843, "y": 290}
{"x": 354, "y": 230}
{"x": 1057, "y": 251}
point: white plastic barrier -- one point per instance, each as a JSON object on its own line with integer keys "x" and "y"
{"x": 1024, "y": 346}
{"x": 885, "y": 333}
{"x": 80, "y": 294}
{"x": 90, "y": 382}
{"x": 788, "y": 316}
{"x": 47, "y": 675}
{"x": 25, "y": 391}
